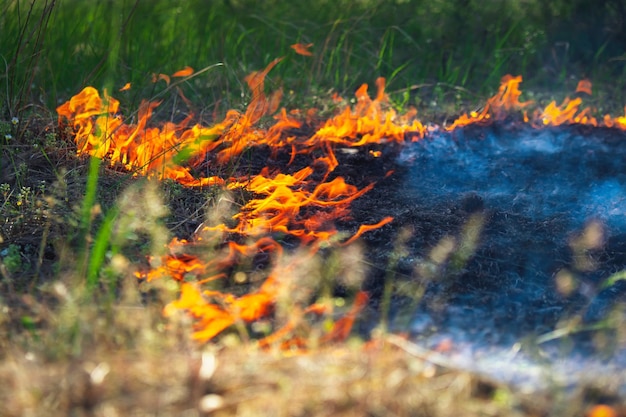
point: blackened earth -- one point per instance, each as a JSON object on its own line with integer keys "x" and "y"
{"x": 532, "y": 196}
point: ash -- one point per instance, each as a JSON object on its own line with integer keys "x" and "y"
{"x": 535, "y": 224}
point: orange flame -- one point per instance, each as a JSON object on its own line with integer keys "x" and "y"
{"x": 584, "y": 86}
{"x": 302, "y": 49}
{"x": 617, "y": 122}
{"x": 161, "y": 77}
{"x": 226, "y": 310}
{"x": 568, "y": 112}
{"x": 185, "y": 72}
{"x": 368, "y": 227}
{"x": 343, "y": 326}
{"x": 497, "y": 106}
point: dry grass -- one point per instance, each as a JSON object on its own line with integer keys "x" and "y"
{"x": 378, "y": 380}
{"x": 121, "y": 358}
{"x": 125, "y": 359}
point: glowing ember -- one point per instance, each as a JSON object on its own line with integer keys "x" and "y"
{"x": 302, "y": 49}
{"x": 303, "y": 204}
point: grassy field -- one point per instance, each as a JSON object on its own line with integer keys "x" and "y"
{"x": 454, "y": 47}
{"x": 80, "y": 336}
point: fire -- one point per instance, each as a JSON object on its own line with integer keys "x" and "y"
{"x": 618, "y": 122}
{"x": 369, "y": 122}
{"x": 567, "y": 112}
{"x": 302, "y": 48}
{"x": 584, "y": 86}
{"x": 304, "y": 204}
{"x": 506, "y": 101}
{"x": 216, "y": 311}
{"x": 497, "y": 106}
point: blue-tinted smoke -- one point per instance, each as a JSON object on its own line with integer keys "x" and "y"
{"x": 537, "y": 188}
{"x": 536, "y": 173}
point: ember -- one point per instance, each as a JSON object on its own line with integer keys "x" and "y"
{"x": 302, "y": 192}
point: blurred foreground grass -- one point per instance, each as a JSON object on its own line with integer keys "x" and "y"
{"x": 124, "y": 359}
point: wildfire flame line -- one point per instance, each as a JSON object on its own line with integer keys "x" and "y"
{"x": 293, "y": 204}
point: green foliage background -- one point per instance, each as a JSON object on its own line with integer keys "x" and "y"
{"x": 64, "y": 45}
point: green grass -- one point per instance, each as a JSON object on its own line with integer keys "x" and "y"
{"x": 459, "y": 43}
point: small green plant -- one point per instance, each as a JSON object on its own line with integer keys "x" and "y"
{"x": 22, "y": 207}
{"x": 12, "y": 259}
{"x": 9, "y": 129}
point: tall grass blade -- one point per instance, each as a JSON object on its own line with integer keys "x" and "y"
{"x": 98, "y": 252}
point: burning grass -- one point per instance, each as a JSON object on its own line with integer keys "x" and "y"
{"x": 300, "y": 204}
{"x": 271, "y": 266}
{"x": 268, "y": 261}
